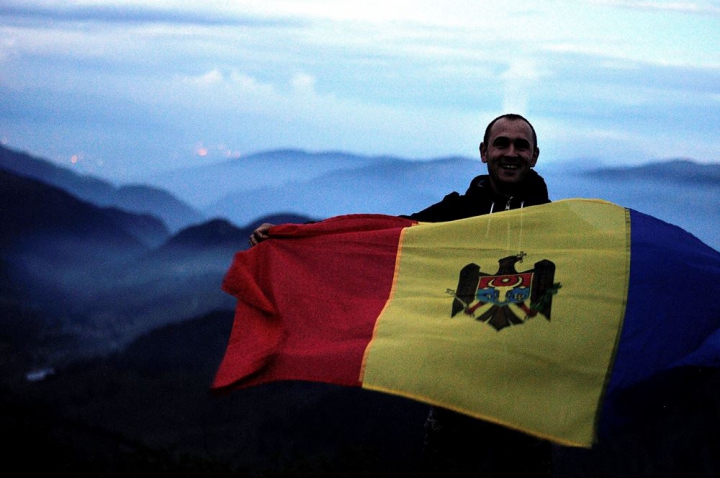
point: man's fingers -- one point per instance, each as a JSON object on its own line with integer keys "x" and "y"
{"x": 259, "y": 234}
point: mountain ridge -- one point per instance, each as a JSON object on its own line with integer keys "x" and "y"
{"x": 203, "y": 185}
{"x": 132, "y": 197}
{"x": 677, "y": 170}
{"x": 161, "y": 276}
{"x": 101, "y": 276}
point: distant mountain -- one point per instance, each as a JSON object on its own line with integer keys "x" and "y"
{"x": 150, "y": 230}
{"x": 214, "y": 233}
{"x": 146, "y": 199}
{"x": 37, "y": 214}
{"x": 325, "y": 184}
{"x": 100, "y": 277}
{"x": 221, "y": 233}
{"x": 390, "y": 186}
{"x": 133, "y": 198}
{"x": 683, "y": 192}
{"x": 111, "y": 275}
{"x": 176, "y": 281}
{"x": 681, "y": 171}
{"x": 53, "y": 249}
{"x": 201, "y": 186}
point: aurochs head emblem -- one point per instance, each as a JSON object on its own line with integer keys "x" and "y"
{"x": 507, "y": 297}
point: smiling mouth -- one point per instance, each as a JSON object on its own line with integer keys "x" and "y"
{"x": 511, "y": 167}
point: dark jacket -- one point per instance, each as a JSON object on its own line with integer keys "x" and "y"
{"x": 480, "y": 199}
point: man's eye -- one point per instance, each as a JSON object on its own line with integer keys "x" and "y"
{"x": 501, "y": 143}
{"x": 521, "y": 144}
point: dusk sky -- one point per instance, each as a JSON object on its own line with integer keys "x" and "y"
{"x": 124, "y": 88}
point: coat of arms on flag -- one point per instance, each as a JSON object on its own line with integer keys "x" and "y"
{"x": 507, "y": 297}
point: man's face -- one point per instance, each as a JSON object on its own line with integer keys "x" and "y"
{"x": 510, "y": 152}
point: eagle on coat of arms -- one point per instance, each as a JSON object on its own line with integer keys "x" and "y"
{"x": 507, "y": 297}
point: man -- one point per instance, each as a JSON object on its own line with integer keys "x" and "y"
{"x": 455, "y": 444}
{"x": 509, "y": 148}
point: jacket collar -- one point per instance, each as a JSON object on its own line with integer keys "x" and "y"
{"x": 532, "y": 189}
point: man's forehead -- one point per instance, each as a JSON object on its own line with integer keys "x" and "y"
{"x": 511, "y": 128}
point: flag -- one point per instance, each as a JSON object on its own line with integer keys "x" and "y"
{"x": 531, "y": 318}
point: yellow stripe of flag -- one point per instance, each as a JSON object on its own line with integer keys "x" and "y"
{"x": 543, "y": 375}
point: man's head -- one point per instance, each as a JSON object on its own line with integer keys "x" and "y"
{"x": 509, "y": 149}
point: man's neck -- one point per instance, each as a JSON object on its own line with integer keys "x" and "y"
{"x": 519, "y": 188}
{"x": 506, "y": 189}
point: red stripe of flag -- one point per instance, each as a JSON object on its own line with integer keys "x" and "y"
{"x": 328, "y": 321}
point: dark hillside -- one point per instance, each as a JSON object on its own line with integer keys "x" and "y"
{"x": 34, "y": 211}
{"x": 149, "y": 200}
{"x": 50, "y": 241}
{"x": 147, "y": 411}
{"x": 179, "y": 280}
{"x": 134, "y": 198}
{"x": 214, "y": 233}
{"x": 149, "y": 408}
{"x": 95, "y": 275}
{"x": 150, "y": 230}
{"x": 29, "y": 166}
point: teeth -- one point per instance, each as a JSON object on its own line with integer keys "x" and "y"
{"x": 510, "y": 166}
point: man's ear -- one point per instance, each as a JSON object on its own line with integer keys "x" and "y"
{"x": 483, "y": 153}
{"x": 536, "y": 154}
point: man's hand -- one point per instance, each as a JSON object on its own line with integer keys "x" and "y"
{"x": 260, "y": 234}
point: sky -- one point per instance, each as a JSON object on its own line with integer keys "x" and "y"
{"x": 121, "y": 89}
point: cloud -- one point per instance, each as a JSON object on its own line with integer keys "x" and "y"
{"x": 250, "y": 114}
{"x": 125, "y": 14}
{"x": 700, "y": 8}
{"x": 304, "y": 84}
{"x": 210, "y": 78}
{"x": 321, "y": 74}
{"x": 519, "y": 79}
{"x": 293, "y": 98}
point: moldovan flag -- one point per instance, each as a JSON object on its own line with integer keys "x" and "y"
{"x": 531, "y": 318}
